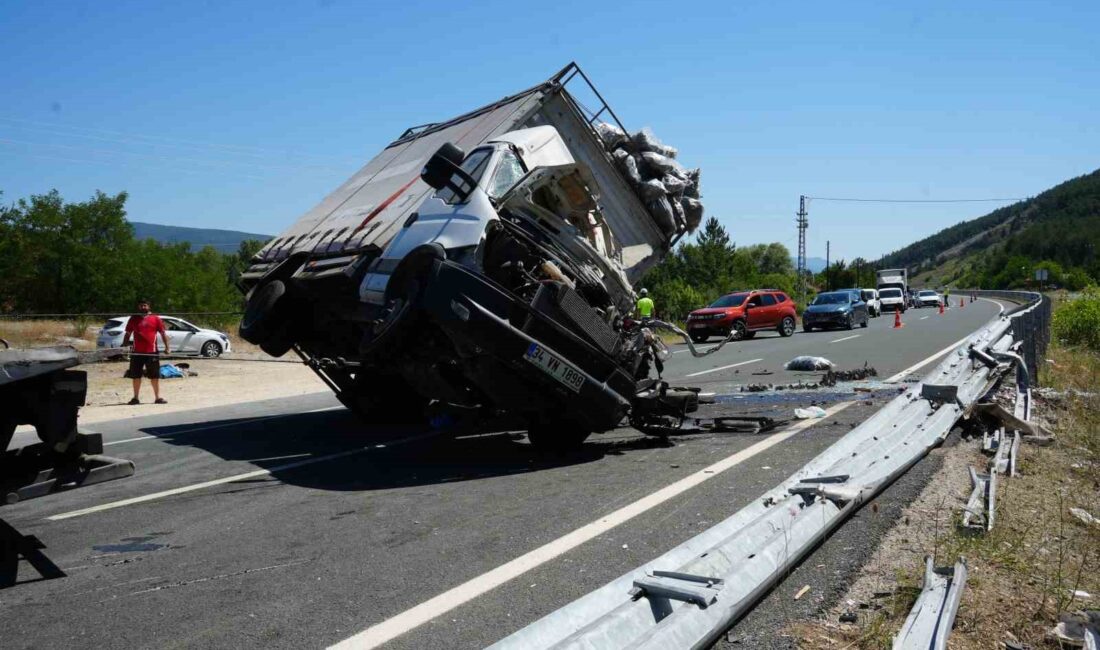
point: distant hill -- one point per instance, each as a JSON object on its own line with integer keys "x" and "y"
{"x": 1058, "y": 230}
{"x": 225, "y": 241}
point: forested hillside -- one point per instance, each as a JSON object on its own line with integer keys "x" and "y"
{"x": 65, "y": 258}
{"x": 225, "y": 241}
{"x": 1058, "y": 230}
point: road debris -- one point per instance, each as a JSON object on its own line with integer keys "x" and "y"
{"x": 809, "y": 412}
{"x": 809, "y": 363}
{"x": 1079, "y": 629}
{"x": 1084, "y": 516}
{"x": 831, "y": 377}
{"x": 802, "y": 592}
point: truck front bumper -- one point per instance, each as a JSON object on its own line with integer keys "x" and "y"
{"x": 551, "y": 373}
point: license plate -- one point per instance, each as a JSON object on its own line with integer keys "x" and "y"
{"x": 569, "y": 376}
{"x": 695, "y": 326}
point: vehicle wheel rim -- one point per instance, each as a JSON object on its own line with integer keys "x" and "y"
{"x": 209, "y": 350}
{"x": 738, "y": 332}
{"x": 788, "y": 326}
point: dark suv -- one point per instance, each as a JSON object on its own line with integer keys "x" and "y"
{"x": 743, "y": 313}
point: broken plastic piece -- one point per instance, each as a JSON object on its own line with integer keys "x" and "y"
{"x": 809, "y": 412}
{"x": 809, "y": 363}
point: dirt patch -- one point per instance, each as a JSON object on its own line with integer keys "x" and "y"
{"x": 218, "y": 382}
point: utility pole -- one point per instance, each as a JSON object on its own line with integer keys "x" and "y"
{"x": 803, "y": 223}
{"x": 828, "y": 271}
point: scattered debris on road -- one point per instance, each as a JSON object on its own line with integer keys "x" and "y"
{"x": 809, "y": 363}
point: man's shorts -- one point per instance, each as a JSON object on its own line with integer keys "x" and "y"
{"x": 147, "y": 366}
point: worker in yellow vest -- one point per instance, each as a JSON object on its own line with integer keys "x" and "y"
{"x": 645, "y": 305}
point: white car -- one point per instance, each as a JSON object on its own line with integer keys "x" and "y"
{"x": 928, "y": 298}
{"x": 874, "y": 305}
{"x": 184, "y": 337}
{"x": 891, "y": 300}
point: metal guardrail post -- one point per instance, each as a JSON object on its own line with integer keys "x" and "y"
{"x": 930, "y": 621}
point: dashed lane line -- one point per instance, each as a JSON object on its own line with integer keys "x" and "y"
{"x": 847, "y": 338}
{"x": 720, "y": 368}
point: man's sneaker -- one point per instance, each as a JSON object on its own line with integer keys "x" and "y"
{"x": 134, "y": 401}
{"x": 160, "y": 400}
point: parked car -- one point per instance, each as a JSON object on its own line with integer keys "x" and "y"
{"x": 743, "y": 313}
{"x": 893, "y": 299}
{"x": 184, "y": 337}
{"x": 835, "y": 309}
{"x": 928, "y": 298}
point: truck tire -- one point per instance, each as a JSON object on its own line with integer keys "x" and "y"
{"x": 556, "y": 434}
{"x": 261, "y": 315}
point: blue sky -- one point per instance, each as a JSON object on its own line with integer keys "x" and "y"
{"x": 243, "y": 115}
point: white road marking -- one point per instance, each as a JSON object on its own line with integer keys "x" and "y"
{"x": 732, "y": 365}
{"x": 923, "y": 317}
{"x": 232, "y": 479}
{"x": 218, "y": 426}
{"x": 921, "y": 364}
{"x": 847, "y": 338}
{"x": 414, "y": 617}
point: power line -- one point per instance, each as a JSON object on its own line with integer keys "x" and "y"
{"x": 850, "y": 200}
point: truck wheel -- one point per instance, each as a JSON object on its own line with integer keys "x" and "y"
{"x": 549, "y": 434}
{"x": 7, "y": 430}
{"x": 259, "y": 318}
{"x": 786, "y": 328}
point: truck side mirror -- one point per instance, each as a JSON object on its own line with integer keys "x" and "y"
{"x": 442, "y": 168}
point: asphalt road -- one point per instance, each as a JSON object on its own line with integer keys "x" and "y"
{"x": 288, "y": 523}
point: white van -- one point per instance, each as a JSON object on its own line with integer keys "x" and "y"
{"x": 874, "y": 306}
{"x": 892, "y": 299}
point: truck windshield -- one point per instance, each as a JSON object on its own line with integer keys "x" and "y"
{"x": 732, "y": 300}
{"x": 474, "y": 165}
{"x": 890, "y": 293}
{"x": 508, "y": 171}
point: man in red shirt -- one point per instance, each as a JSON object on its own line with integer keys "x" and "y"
{"x": 144, "y": 327}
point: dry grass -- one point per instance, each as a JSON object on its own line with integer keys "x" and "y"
{"x": 1022, "y": 573}
{"x": 45, "y": 333}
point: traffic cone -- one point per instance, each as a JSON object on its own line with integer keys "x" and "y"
{"x": 961, "y": 303}
{"x": 897, "y": 318}
{"x": 941, "y": 309}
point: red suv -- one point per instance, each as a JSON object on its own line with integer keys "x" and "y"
{"x": 743, "y": 313}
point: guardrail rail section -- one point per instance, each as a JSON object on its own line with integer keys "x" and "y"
{"x": 689, "y": 596}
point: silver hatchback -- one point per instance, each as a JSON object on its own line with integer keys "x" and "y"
{"x": 184, "y": 337}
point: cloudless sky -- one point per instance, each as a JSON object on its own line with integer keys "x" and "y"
{"x": 243, "y": 115}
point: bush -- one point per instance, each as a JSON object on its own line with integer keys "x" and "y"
{"x": 1077, "y": 322}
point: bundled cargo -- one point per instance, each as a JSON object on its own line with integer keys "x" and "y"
{"x": 669, "y": 191}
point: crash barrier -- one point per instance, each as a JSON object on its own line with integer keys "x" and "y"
{"x": 929, "y": 622}
{"x": 687, "y": 597}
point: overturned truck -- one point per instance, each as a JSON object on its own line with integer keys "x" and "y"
{"x": 486, "y": 264}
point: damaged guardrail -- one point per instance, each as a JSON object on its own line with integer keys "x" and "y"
{"x": 687, "y": 597}
{"x": 929, "y": 622}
